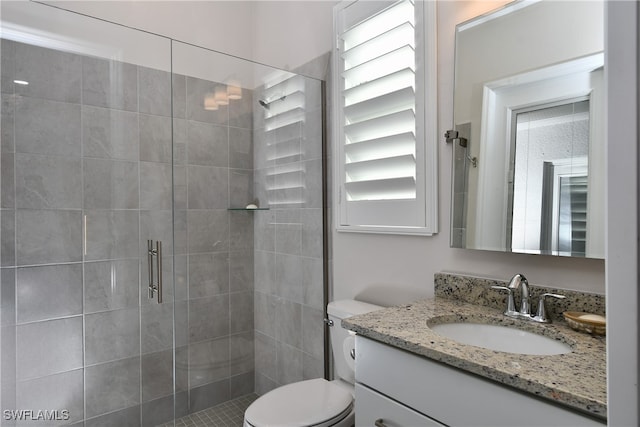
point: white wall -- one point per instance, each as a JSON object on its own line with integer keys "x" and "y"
{"x": 408, "y": 262}
{"x": 282, "y": 34}
{"x": 219, "y": 25}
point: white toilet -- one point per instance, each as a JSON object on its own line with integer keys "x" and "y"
{"x": 317, "y": 402}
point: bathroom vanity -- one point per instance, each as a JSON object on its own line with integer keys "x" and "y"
{"x": 407, "y": 374}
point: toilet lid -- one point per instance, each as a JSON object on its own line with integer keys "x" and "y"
{"x": 314, "y": 402}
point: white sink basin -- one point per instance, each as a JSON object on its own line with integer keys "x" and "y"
{"x": 501, "y": 338}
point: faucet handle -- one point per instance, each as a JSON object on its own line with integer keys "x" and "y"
{"x": 541, "y": 315}
{"x": 511, "y": 305}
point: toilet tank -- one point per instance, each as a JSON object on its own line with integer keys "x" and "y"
{"x": 343, "y": 340}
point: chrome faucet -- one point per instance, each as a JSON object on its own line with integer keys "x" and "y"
{"x": 518, "y": 281}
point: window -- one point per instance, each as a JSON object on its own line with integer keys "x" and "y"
{"x": 386, "y": 129}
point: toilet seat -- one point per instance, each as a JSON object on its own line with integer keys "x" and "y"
{"x": 317, "y": 403}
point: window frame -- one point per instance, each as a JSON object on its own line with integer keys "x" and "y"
{"x": 425, "y": 207}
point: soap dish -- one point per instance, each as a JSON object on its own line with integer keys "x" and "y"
{"x": 586, "y": 322}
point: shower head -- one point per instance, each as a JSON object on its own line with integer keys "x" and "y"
{"x": 267, "y": 103}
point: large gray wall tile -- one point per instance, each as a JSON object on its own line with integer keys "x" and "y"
{"x": 208, "y": 274}
{"x": 7, "y": 237}
{"x": 45, "y": 348}
{"x": 265, "y": 272}
{"x": 242, "y": 384}
{"x": 241, "y": 270}
{"x": 157, "y": 375}
{"x": 208, "y": 361}
{"x": 110, "y": 134}
{"x": 48, "y": 182}
{"x": 264, "y": 225}
{"x": 155, "y": 186}
{"x": 240, "y": 187}
{"x": 208, "y": 230}
{"x": 208, "y": 187}
{"x": 110, "y": 184}
{"x": 288, "y": 320}
{"x": 47, "y": 236}
{"x": 7, "y": 120}
{"x": 179, "y": 85}
{"x": 110, "y": 84}
{"x": 62, "y": 391}
{"x": 111, "y": 235}
{"x": 240, "y": 312}
{"x": 241, "y": 354}
{"x": 8, "y": 366}
{"x": 312, "y": 278}
{"x": 47, "y": 127}
{"x": 110, "y": 285}
{"x": 129, "y": 417}
{"x": 312, "y": 193}
{"x": 312, "y": 234}
{"x": 264, "y": 312}
{"x": 265, "y": 351}
{"x": 157, "y": 327}
{"x": 289, "y": 277}
{"x": 8, "y": 64}
{"x": 8, "y": 187}
{"x": 154, "y": 91}
{"x": 289, "y": 237}
{"x": 51, "y": 74}
{"x": 209, "y": 395}
{"x": 155, "y": 139}
{"x": 289, "y": 364}
{"x": 111, "y": 335}
{"x": 312, "y": 367}
{"x": 263, "y": 384}
{"x": 313, "y": 331}
{"x": 240, "y": 148}
{"x": 208, "y": 318}
{"x": 162, "y": 410}
{"x": 7, "y": 296}
{"x": 112, "y": 386}
{"x": 48, "y": 292}
{"x": 208, "y": 144}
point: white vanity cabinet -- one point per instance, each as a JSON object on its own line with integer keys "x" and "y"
{"x": 397, "y": 388}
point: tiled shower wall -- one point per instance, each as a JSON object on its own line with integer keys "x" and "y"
{"x": 86, "y": 180}
{"x": 289, "y": 238}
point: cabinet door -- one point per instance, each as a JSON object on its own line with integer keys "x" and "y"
{"x": 374, "y": 409}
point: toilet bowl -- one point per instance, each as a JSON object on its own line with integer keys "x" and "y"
{"x": 316, "y": 402}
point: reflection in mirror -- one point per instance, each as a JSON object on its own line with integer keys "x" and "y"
{"x": 528, "y": 168}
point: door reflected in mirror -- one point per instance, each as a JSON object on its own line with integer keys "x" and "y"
{"x": 529, "y": 103}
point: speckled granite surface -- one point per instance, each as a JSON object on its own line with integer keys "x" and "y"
{"x": 576, "y": 379}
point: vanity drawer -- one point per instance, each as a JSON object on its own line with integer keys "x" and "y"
{"x": 372, "y": 407}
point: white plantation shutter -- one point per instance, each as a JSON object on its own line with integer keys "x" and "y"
{"x": 383, "y": 150}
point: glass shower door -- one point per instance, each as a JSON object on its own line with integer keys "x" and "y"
{"x": 248, "y": 181}
{"x": 86, "y": 180}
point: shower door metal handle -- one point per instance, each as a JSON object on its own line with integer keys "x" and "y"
{"x": 157, "y": 253}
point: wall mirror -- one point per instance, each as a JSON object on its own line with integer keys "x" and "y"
{"x": 528, "y": 163}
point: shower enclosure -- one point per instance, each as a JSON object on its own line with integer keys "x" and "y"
{"x": 139, "y": 284}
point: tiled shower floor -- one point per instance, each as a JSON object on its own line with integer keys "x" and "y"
{"x": 228, "y": 414}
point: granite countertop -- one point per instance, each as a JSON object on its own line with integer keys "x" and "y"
{"x": 576, "y": 380}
